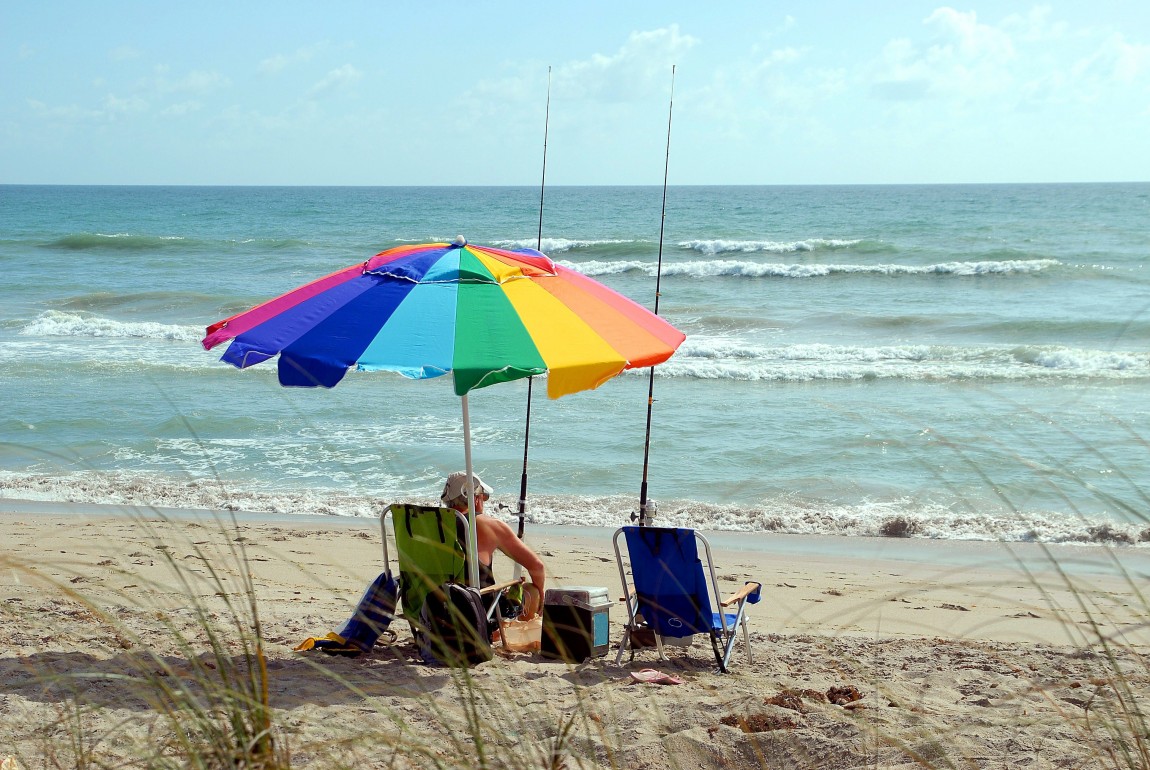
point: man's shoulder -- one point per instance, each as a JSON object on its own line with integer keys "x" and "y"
{"x": 492, "y": 524}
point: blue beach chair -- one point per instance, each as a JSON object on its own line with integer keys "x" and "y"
{"x": 670, "y": 593}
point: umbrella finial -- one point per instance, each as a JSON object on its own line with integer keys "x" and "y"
{"x": 459, "y": 241}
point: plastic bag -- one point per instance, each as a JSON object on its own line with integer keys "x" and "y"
{"x": 522, "y": 635}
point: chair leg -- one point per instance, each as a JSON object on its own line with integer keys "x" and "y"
{"x": 623, "y": 645}
{"x": 659, "y": 647}
{"x": 740, "y": 620}
{"x": 497, "y": 616}
{"x": 721, "y": 655}
{"x": 731, "y": 646}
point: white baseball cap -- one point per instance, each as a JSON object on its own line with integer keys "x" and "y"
{"x": 456, "y": 486}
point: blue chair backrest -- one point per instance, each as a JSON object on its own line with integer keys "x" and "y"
{"x": 669, "y": 580}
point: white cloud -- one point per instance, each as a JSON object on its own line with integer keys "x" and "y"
{"x": 71, "y": 113}
{"x": 1117, "y": 61}
{"x": 963, "y": 61}
{"x": 333, "y": 81}
{"x": 967, "y": 40}
{"x": 116, "y": 105}
{"x": 273, "y": 65}
{"x": 641, "y": 66}
{"x": 195, "y": 82}
{"x": 781, "y": 56}
{"x": 1029, "y": 59}
{"x": 182, "y": 109}
{"x": 1035, "y": 26}
{"x": 111, "y": 108}
{"x": 781, "y": 79}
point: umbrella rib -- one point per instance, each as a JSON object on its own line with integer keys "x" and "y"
{"x": 493, "y": 281}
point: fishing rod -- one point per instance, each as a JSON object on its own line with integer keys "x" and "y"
{"x": 647, "y": 508}
{"x": 531, "y": 380}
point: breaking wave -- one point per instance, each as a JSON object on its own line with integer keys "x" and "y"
{"x": 700, "y": 357}
{"x": 552, "y": 246}
{"x": 903, "y": 518}
{"x": 56, "y": 323}
{"x": 739, "y": 269}
{"x": 721, "y": 245}
{"x": 727, "y": 359}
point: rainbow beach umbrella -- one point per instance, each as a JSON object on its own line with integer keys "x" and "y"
{"x": 483, "y": 315}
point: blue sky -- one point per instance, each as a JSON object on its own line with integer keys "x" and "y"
{"x": 388, "y": 93}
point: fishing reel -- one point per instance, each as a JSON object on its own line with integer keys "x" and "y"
{"x": 646, "y": 513}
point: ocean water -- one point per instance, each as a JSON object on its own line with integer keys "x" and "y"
{"x": 968, "y": 362}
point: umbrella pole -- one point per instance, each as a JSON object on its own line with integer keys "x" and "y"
{"x": 472, "y": 542}
{"x": 523, "y": 479}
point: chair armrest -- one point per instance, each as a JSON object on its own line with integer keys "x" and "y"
{"x": 502, "y": 586}
{"x": 746, "y": 591}
{"x": 629, "y": 590}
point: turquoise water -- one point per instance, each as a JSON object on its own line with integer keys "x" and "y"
{"x": 946, "y": 361}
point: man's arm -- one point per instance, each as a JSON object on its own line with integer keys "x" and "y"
{"x": 517, "y": 550}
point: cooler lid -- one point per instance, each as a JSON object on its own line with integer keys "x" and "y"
{"x": 584, "y": 597}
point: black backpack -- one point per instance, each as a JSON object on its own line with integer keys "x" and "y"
{"x": 454, "y": 627}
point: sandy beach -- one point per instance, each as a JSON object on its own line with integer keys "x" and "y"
{"x": 962, "y": 654}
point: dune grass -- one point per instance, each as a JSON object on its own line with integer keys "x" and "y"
{"x": 199, "y": 669}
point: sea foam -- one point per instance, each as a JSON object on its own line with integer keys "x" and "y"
{"x": 789, "y": 514}
{"x": 559, "y": 245}
{"x": 55, "y": 323}
{"x": 700, "y": 357}
{"x": 721, "y": 358}
{"x": 741, "y": 269}
{"x": 720, "y": 245}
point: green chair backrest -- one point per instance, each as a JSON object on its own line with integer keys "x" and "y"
{"x": 431, "y": 544}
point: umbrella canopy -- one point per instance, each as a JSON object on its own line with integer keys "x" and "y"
{"x": 484, "y": 315}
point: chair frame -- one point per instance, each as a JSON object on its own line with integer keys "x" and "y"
{"x": 726, "y": 636}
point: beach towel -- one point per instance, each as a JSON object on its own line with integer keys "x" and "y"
{"x": 371, "y": 619}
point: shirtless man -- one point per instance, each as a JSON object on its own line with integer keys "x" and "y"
{"x": 491, "y": 534}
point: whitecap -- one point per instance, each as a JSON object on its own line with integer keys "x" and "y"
{"x": 55, "y": 323}
{"x": 723, "y": 245}
{"x": 742, "y": 269}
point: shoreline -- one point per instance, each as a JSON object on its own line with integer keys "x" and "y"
{"x": 1007, "y": 592}
{"x": 1073, "y": 558}
{"x": 777, "y": 513}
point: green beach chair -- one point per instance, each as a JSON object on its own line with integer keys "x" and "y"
{"x": 432, "y": 553}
